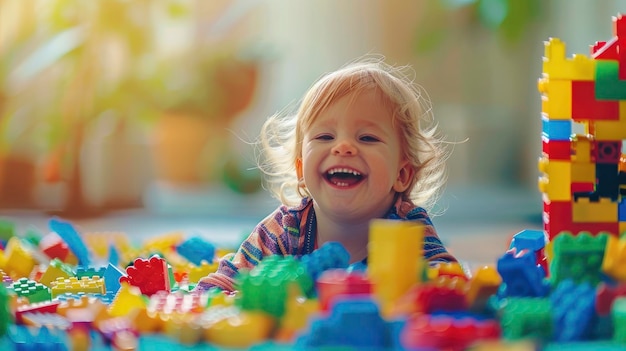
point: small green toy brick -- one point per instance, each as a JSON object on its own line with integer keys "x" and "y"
{"x": 35, "y": 292}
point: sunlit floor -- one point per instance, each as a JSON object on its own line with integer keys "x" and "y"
{"x": 476, "y": 227}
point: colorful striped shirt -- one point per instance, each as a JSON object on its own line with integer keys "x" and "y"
{"x": 291, "y": 231}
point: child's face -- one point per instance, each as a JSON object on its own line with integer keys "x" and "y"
{"x": 351, "y": 158}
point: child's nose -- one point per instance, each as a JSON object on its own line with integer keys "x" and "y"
{"x": 344, "y": 148}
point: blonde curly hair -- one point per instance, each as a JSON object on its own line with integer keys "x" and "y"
{"x": 280, "y": 140}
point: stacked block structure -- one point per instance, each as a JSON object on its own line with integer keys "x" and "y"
{"x": 584, "y": 173}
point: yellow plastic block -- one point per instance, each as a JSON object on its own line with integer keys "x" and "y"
{"x": 240, "y": 331}
{"x": 73, "y": 285}
{"x": 195, "y": 273}
{"x": 19, "y": 262}
{"x": 394, "y": 244}
{"x": 614, "y": 263}
{"x": 602, "y": 211}
{"x": 556, "y": 98}
{"x": 622, "y": 229}
{"x": 582, "y": 148}
{"x": 485, "y": 283}
{"x": 99, "y": 242}
{"x": 583, "y": 172}
{"x": 609, "y": 130}
{"x": 557, "y": 66}
{"x": 52, "y": 273}
{"x": 127, "y": 299}
{"x": 165, "y": 242}
{"x": 556, "y": 183}
{"x": 298, "y": 310}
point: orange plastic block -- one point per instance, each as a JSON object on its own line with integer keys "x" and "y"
{"x": 614, "y": 263}
{"x": 394, "y": 244}
{"x": 73, "y": 285}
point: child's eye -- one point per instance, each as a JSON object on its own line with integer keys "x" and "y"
{"x": 369, "y": 138}
{"x": 324, "y": 137}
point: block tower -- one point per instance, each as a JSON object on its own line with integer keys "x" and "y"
{"x": 583, "y": 179}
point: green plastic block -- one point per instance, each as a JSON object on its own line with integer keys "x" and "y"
{"x": 608, "y": 85}
{"x": 578, "y": 257}
{"x": 526, "y": 317}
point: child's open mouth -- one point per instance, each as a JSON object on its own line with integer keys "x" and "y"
{"x": 343, "y": 177}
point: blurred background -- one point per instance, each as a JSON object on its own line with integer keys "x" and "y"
{"x": 147, "y": 108}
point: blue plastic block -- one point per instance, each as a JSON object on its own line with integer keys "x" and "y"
{"x": 83, "y": 271}
{"x": 621, "y": 210}
{"x": 527, "y": 239}
{"x": 36, "y": 339}
{"x": 556, "y": 129}
{"x": 68, "y": 233}
{"x": 331, "y": 255}
{"x": 112, "y": 276}
{"x": 353, "y": 322}
{"x": 114, "y": 255}
{"x": 196, "y": 250}
{"x": 522, "y": 276}
{"x": 573, "y": 309}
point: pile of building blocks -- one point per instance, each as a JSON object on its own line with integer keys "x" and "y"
{"x": 563, "y": 287}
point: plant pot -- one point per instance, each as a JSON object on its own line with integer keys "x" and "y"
{"x": 187, "y": 148}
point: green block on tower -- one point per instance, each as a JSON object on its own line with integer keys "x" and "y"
{"x": 608, "y": 85}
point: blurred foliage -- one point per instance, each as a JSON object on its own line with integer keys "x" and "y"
{"x": 508, "y": 19}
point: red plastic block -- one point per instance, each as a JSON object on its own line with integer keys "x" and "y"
{"x": 582, "y": 187}
{"x": 605, "y": 295}
{"x": 441, "y": 332}
{"x": 150, "y": 276}
{"x": 607, "y": 151}
{"x": 585, "y": 106}
{"x": 557, "y": 149}
{"x": 557, "y": 217}
{"x": 605, "y": 50}
{"x": 337, "y": 282}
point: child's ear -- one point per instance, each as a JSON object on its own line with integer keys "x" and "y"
{"x": 299, "y": 173}
{"x": 404, "y": 178}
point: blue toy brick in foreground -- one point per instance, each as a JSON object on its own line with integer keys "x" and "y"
{"x": 573, "y": 310}
{"x": 522, "y": 276}
{"x": 528, "y": 239}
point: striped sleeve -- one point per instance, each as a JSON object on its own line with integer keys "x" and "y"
{"x": 263, "y": 241}
{"x": 434, "y": 250}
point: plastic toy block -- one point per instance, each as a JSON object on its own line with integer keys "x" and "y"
{"x": 55, "y": 269}
{"x": 7, "y": 229}
{"x": 37, "y": 307}
{"x": 442, "y": 332}
{"x": 621, "y": 210}
{"x": 582, "y": 148}
{"x": 557, "y": 66}
{"x": 618, "y": 313}
{"x": 394, "y": 244}
{"x": 150, "y": 276}
{"x": 100, "y": 242}
{"x": 556, "y": 149}
{"x": 556, "y": 99}
{"x": 607, "y": 151}
{"x": 442, "y": 295}
{"x": 89, "y": 272}
{"x": 521, "y": 275}
{"x": 112, "y": 276}
{"x": 195, "y": 250}
{"x": 485, "y": 282}
{"x": 353, "y": 322}
{"x": 601, "y": 211}
{"x": 298, "y": 311}
{"x": 586, "y": 107}
{"x": 446, "y": 269}
{"x": 555, "y": 129}
{"x": 35, "y": 292}
{"x": 54, "y": 247}
{"x": 5, "y": 314}
{"x": 331, "y": 255}
{"x": 265, "y": 287}
{"x": 32, "y": 338}
{"x": 338, "y": 282}
{"x": 106, "y": 298}
{"x": 615, "y": 259}
{"x": 195, "y": 273}
{"x": 573, "y": 310}
{"x": 241, "y": 330}
{"x": 127, "y": 299}
{"x": 608, "y": 130}
{"x": 73, "y": 285}
{"x": 165, "y": 242}
{"x": 578, "y": 257}
{"x": 5, "y": 279}
{"x": 603, "y": 50}
{"x": 526, "y": 317}
{"x": 19, "y": 261}
{"x": 584, "y": 173}
{"x": 68, "y": 233}
{"x": 555, "y": 183}
{"x": 177, "y": 302}
{"x": 49, "y": 320}
{"x": 527, "y": 239}
{"x": 183, "y": 328}
{"x": 608, "y": 85}
{"x": 606, "y": 295}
